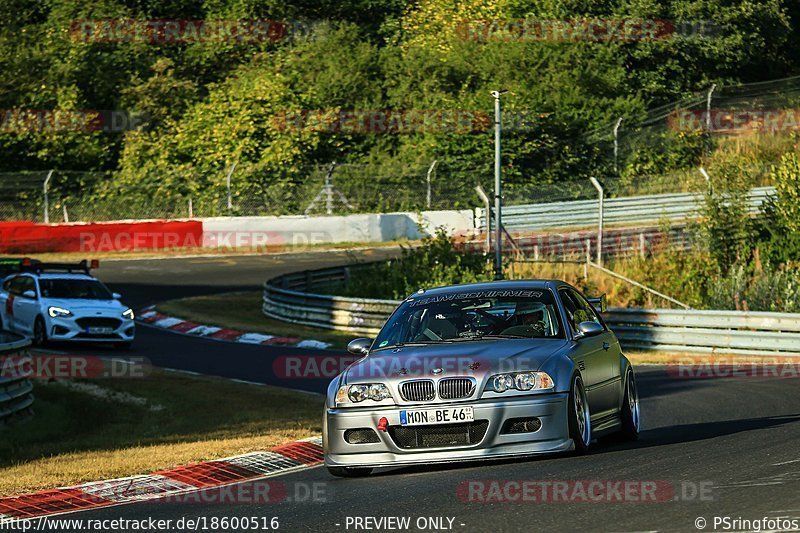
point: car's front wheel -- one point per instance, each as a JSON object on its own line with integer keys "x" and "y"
{"x": 580, "y": 424}
{"x": 39, "y": 332}
{"x": 631, "y": 415}
{"x": 341, "y": 471}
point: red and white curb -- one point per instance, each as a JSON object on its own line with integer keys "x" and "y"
{"x": 164, "y": 483}
{"x": 150, "y": 316}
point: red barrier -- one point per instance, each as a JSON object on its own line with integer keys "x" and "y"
{"x": 28, "y": 237}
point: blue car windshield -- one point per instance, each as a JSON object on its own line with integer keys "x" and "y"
{"x": 455, "y": 317}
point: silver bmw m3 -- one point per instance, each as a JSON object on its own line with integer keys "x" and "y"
{"x": 482, "y": 371}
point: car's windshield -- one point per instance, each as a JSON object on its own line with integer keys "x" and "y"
{"x": 471, "y": 316}
{"x": 83, "y": 289}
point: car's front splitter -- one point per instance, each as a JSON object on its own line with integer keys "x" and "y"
{"x": 551, "y": 437}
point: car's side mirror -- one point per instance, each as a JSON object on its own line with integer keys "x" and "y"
{"x": 116, "y": 295}
{"x": 599, "y": 303}
{"x": 590, "y": 329}
{"x": 29, "y": 294}
{"x": 359, "y": 346}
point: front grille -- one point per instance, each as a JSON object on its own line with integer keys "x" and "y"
{"x": 107, "y": 336}
{"x": 439, "y": 436}
{"x": 521, "y": 425}
{"x": 418, "y": 391}
{"x": 361, "y": 436}
{"x": 98, "y": 322}
{"x": 456, "y": 388}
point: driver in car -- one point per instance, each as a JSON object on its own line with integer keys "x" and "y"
{"x": 530, "y": 321}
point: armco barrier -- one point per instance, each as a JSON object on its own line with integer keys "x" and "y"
{"x": 16, "y": 396}
{"x": 288, "y": 298}
{"x": 627, "y": 210}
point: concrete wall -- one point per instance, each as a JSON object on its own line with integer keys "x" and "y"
{"x": 249, "y": 231}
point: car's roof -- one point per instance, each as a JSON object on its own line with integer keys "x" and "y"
{"x": 59, "y": 275}
{"x": 521, "y": 284}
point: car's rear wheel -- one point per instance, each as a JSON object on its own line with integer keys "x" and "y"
{"x": 580, "y": 424}
{"x": 631, "y": 415}
{"x": 39, "y": 332}
{"x": 341, "y": 471}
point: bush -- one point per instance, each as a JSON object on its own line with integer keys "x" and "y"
{"x": 435, "y": 263}
{"x": 746, "y": 288}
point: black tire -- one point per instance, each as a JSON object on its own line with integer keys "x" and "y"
{"x": 341, "y": 471}
{"x": 630, "y": 415}
{"x": 122, "y": 346}
{"x": 39, "y": 332}
{"x": 580, "y": 426}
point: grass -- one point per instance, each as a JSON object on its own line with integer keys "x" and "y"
{"x": 76, "y": 437}
{"x": 242, "y": 311}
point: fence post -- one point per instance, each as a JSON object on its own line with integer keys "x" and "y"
{"x": 708, "y": 117}
{"x": 428, "y": 181}
{"x": 588, "y": 259}
{"x": 191, "y": 211}
{"x": 641, "y": 245}
{"x": 488, "y": 216}
{"x": 228, "y": 184}
{"x": 616, "y": 145}
{"x": 45, "y": 187}
{"x": 601, "y": 194}
{"x": 66, "y": 215}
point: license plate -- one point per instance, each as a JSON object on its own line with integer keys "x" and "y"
{"x": 99, "y": 331}
{"x": 423, "y": 417}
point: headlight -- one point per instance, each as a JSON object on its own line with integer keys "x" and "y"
{"x": 359, "y": 393}
{"x": 522, "y": 381}
{"x": 128, "y": 313}
{"x": 58, "y": 312}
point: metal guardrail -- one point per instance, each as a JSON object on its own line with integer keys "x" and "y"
{"x": 286, "y": 299}
{"x": 709, "y": 332}
{"x": 712, "y": 332}
{"x": 16, "y": 393}
{"x": 626, "y": 210}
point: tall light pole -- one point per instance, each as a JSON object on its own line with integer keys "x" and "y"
{"x": 498, "y": 228}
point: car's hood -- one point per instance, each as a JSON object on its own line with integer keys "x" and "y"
{"x": 473, "y": 358}
{"x": 84, "y": 305}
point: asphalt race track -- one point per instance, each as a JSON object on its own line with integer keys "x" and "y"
{"x": 144, "y": 282}
{"x": 724, "y": 447}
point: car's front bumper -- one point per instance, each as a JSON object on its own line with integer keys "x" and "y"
{"x": 552, "y": 436}
{"x": 70, "y": 329}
